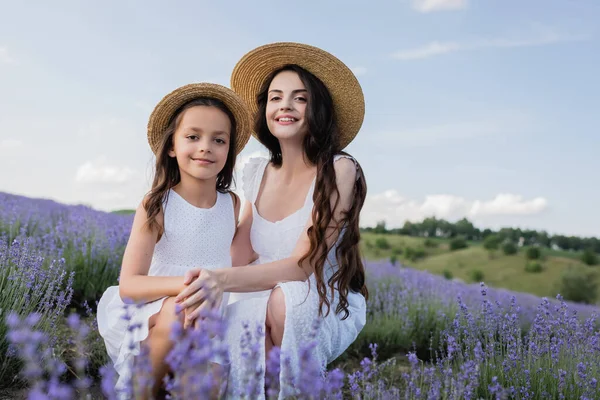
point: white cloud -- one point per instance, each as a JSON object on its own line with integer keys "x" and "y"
{"x": 5, "y": 57}
{"x": 100, "y": 171}
{"x": 508, "y": 204}
{"x": 359, "y": 71}
{"x": 429, "y": 50}
{"x": 395, "y": 209}
{"x": 437, "y": 48}
{"x": 426, "y": 6}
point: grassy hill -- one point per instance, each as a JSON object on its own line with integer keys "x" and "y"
{"x": 499, "y": 270}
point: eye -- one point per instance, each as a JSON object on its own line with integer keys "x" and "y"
{"x": 220, "y": 141}
{"x": 275, "y": 98}
{"x": 300, "y": 98}
{"x": 192, "y": 137}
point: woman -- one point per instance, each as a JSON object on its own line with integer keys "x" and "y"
{"x": 301, "y": 217}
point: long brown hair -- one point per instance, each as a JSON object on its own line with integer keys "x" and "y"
{"x": 321, "y": 144}
{"x": 167, "y": 170}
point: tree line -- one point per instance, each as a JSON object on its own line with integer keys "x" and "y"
{"x": 434, "y": 227}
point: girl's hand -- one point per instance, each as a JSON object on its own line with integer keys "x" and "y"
{"x": 202, "y": 293}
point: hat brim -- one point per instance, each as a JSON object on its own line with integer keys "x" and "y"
{"x": 165, "y": 109}
{"x": 254, "y": 68}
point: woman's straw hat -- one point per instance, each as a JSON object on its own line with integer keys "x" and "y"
{"x": 254, "y": 68}
{"x": 168, "y": 106}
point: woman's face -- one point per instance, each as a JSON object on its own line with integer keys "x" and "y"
{"x": 287, "y": 100}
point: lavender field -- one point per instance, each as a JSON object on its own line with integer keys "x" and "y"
{"x": 426, "y": 337}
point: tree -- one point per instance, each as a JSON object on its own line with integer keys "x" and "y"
{"x": 380, "y": 227}
{"x": 543, "y": 239}
{"x": 458, "y": 243}
{"x": 533, "y": 253}
{"x": 486, "y": 232}
{"x": 509, "y": 248}
{"x": 491, "y": 244}
{"x": 579, "y": 286}
{"x": 465, "y": 228}
{"x": 589, "y": 257}
{"x": 561, "y": 241}
{"x": 382, "y": 243}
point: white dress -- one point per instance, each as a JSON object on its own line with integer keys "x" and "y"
{"x": 193, "y": 237}
{"x": 274, "y": 241}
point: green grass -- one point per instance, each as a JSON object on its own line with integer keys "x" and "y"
{"x": 499, "y": 271}
{"x": 123, "y": 212}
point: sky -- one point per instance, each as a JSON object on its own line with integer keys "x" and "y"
{"x": 485, "y": 109}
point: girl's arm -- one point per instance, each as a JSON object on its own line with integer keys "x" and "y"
{"x": 242, "y": 252}
{"x": 134, "y": 283}
{"x": 266, "y": 276}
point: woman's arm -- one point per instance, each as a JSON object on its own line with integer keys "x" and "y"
{"x": 134, "y": 283}
{"x": 266, "y": 276}
{"x": 241, "y": 247}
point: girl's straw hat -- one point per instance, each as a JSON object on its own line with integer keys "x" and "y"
{"x": 166, "y": 108}
{"x": 253, "y": 69}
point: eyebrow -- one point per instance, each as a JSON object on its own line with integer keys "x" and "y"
{"x": 193, "y": 128}
{"x": 293, "y": 91}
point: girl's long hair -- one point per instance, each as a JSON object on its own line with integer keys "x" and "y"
{"x": 321, "y": 144}
{"x": 167, "y": 174}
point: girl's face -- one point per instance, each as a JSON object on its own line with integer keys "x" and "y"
{"x": 286, "y": 106}
{"x": 201, "y": 142}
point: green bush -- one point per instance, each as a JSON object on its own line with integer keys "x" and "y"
{"x": 458, "y": 243}
{"x": 448, "y": 274}
{"x": 509, "y": 248}
{"x": 430, "y": 243}
{"x": 382, "y": 243}
{"x": 397, "y": 251}
{"x": 477, "y": 275}
{"x": 533, "y": 267}
{"x": 394, "y": 259}
{"x": 533, "y": 253}
{"x": 492, "y": 242}
{"x": 589, "y": 257}
{"x": 414, "y": 254}
{"x": 579, "y": 286}
{"x": 369, "y": 244}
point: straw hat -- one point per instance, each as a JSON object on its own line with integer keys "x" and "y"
{"x": 253, "y": 69}
{"x": 166, "y": 108}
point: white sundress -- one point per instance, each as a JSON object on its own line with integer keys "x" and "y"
{"x": 193, "y": 237}
{"x": 274, "y": 241}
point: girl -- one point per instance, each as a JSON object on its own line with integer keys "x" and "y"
{"x": 301, "y": 216}
{"x": 188, "y": 218}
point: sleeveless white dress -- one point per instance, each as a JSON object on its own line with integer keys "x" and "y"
{"x": 274, "y": 241}
{"x": 193, "y": 237}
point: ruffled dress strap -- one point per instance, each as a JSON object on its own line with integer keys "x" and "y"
{"x": 252, "y": 175}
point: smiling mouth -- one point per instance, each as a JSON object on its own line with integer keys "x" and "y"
{"x": 203, "y": 161}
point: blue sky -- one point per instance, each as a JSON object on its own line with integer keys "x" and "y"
{"x": 485, "y": 109}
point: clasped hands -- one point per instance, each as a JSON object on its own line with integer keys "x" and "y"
{"x": 203, "y": 292}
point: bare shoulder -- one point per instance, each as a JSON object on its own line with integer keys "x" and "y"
{"x": 141, "y": 213}
{"x": 345, "y": 173}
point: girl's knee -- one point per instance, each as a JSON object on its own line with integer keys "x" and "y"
{"x": 276, "y": 308}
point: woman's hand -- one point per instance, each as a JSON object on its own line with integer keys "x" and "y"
{"x": 204, "y": 291}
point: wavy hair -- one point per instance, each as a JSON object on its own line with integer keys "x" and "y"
{"x": 321, "y": 144}
{"x": 166, "y": 169}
